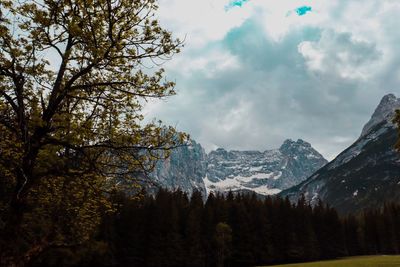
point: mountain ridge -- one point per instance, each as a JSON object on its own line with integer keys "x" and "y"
{"x": 364, "y": 175}
{"x": 266, "y": 172}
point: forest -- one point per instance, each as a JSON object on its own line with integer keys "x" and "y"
{"x": 76, "y": 77}
{"x": 170, "y": 229}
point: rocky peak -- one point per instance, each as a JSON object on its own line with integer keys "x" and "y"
{"x": 299, "y": 142}
{"x": 268, "y": 172}
{"x": 219, "y": 153}
{"x": 366, "y": 174}
{"x": 265, "y": 172}
{"x": 383, "y": 113}
{"x": 290, "y": 147}
{"x": 220, "y": 150}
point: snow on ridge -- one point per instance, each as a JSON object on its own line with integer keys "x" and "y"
{"x": 264, "y": 190}
{"x": 264, "y": 172}
{"x": 241, "y": 183}
{"x": 383, "y": 112}
{"x": 256, "y": 169}
{"x": 357, "y": 148}
{"x": 260, "y": 175}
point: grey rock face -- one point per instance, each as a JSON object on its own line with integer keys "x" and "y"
{"x": 365, "y": 175}
{"x": 190, "y": 168}
{"x": 383, "y": 113}
{"x": 184, "y": 169}
{"x": 266, "y": 172}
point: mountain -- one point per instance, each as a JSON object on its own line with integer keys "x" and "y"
{"x": 190, "y": 168}
{"x": 184, "y": 169}
{"x": 265, "y": 173}
{"x": 365, "y": 175}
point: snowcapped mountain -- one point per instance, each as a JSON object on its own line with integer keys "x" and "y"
{"x": 364, "y": 175}
{"x": 383, "y": 113}
{"x": 265, "y": 173}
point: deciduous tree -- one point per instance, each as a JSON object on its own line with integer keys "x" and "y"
{"x": 72, "y": 86}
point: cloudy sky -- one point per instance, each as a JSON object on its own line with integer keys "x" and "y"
{"x": 254, "y": 73}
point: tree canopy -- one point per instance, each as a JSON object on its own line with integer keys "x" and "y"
{"x": 236, "y": 229}
{"x": 74, "y": 75}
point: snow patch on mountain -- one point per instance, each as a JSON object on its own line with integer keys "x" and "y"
{"x": 357, "y": 178}
{"x": 239, "y": 183}
{"x": 265, "y": 172}
{"x": 358, "y": 147}
{"x": 383, "y": 113}
{"x": 189, "y": 168}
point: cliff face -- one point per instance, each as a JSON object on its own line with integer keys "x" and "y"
{"x": 184, "y": 169}
{"x": 265, "y": 173}
{"x": 190, "y": 168}
{"x": 365, "y": 175}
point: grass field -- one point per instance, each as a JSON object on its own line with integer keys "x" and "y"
{"x": 367, "y": 261}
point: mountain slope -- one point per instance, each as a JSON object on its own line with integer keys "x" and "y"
{"x": 367, "y": 174}
{"x": 189, "y": 168}
{"x": 265, "y": 173}
{"x": 184, "y": 169}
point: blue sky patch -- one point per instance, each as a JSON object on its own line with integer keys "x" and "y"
{"x": 235, "y": 3}
{"x": 301, "y": 11}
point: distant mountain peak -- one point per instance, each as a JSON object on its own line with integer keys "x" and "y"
{"x": 299, "y": 142}
{"x": 384, "y": 112}
{"x": 297, "y": 147}
{"x": 366, "y": 174}
{"x": 265, "y": 172}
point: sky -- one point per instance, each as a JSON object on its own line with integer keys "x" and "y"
{"x": 256, "y": 72}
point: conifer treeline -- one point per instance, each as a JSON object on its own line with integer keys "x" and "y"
{"x": 239, "y": 230}
{"x": 172, "y": 230}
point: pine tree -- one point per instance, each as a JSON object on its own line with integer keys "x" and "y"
{"x": 195, "y": 253}
{"x": 352, "y": 236}
{"x": 223, "y": 239}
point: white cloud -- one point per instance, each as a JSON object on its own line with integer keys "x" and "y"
{"x": 210, "y": 62}
{"x": 253, "y": 76}
{"x": 342, "y": 54}
{"x": 200, "y": 21}
{"x": 314, "y": 57}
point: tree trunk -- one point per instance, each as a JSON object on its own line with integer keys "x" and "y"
{"x": 10, "y": 235}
